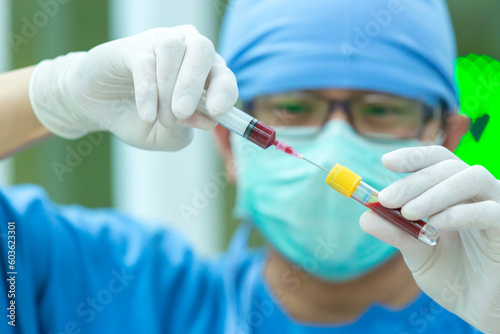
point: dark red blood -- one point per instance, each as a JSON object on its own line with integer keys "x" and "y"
{"x": 395, "y": 216}
{"x": 262, "y": 135}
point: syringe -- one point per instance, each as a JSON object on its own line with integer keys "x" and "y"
{"x": 350, "y": 184}
{"x": 339, "y": 178}
{"x": 248, "y": 127}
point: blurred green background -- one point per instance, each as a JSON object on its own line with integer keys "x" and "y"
{"x": 82, "y": 24}
{"x": 77, "y": 25}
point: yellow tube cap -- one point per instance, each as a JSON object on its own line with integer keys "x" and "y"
{"x": 344, "y": 180}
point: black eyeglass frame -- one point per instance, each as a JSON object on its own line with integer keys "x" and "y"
{"x": 441, "y": 110}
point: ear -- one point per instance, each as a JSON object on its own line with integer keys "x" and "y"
{"x": 456, "y": 127}
{"x": 224, "y": 144}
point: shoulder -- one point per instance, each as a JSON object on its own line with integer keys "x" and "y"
{"x": 22, "y": 198}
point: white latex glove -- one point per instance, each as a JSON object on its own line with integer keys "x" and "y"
{"x": 143, "y": 88}
{"x": 462, "y": 272}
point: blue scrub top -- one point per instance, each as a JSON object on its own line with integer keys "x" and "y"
{"x": 99, "y": 271}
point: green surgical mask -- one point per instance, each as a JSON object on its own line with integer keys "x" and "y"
{"x": 306, "y": 221}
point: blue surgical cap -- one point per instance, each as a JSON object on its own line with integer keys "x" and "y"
{"x": 401, "y": 47}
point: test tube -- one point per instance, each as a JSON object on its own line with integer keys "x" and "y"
{"x": 350, "y": 184}
{"x": 242, "y": 124}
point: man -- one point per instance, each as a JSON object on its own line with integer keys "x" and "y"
{"x": 102, "y": 272}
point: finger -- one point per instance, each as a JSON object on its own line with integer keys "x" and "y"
{"x": 411, "y": 159}
{"x": 146, "y": 91}
{"x": 198, "y": 121}
{"x": 473, "y": 183}
{"x": 222, "y": 91}
{"x": 413, "y": 185}
{"x": 183, "y": 31}
{"x": 483, "y": 215}
{"x": 169, "y": 54}
{"x": 415, "y": 252}
{"x": 174, "y": 138}
{"x": 198, "y": 61}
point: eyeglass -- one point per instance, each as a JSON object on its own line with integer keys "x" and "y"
{"x": 370, "y": 114}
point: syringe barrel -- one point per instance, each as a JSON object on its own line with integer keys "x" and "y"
{"x": 242, "y": 124}
{"x": 350, "y": 184}
{"x": 235, "y": 120}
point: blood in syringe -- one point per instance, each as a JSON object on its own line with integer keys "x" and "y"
{"x": 262, "y": 135}
{"x": 265, "y": 136}
{"x": 414, "y": 227}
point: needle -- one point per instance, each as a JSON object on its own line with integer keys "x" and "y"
{"x": 281, "y": 146}
{"x": 312, "y": 163}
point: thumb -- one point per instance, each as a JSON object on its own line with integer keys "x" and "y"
{"x": 415, "y": 252}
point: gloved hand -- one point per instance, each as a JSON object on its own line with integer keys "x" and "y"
{"x": 143, "y": 88}
{"x": 462, "y": 272}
